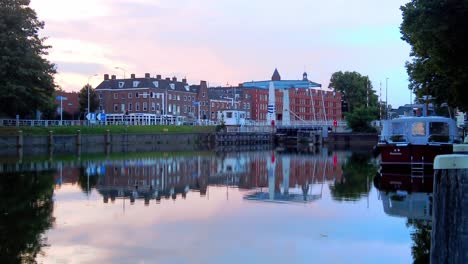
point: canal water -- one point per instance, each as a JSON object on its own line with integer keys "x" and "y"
{"x": 268, "y": 206}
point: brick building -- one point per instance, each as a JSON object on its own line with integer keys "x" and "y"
{"x": 169, "y": 96}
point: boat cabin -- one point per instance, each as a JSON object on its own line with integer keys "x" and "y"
{"x": 419, "y": 130}
{"x": 232, "y": 117}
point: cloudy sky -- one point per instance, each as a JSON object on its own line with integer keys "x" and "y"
{"x": 227, "y": 41}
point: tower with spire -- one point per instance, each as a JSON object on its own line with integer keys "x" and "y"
{"x": 276, "y": 76}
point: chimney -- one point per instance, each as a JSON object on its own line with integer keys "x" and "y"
{"x": 174, "y": 79}
{"x": 132, "y": 76}
{"x": 147, "y": 75}
{"x": 184, "y": 80}
{"x": 158, "y": 77}
{"x": 203, "y": 83}
{"x": 168, "y": 79}
{"x": 113, "y": 77}
{"x": 106, "y": 77}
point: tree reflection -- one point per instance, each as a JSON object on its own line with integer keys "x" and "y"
{"x": 26, "y": 207}
{"x": 421, "y": 237}
{"x": 358, "y": 173}
{"x": 86, "y": 182}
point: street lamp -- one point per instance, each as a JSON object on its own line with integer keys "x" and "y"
{"x": 122, "y": 69}
{"x": 386, "y": 97}
{"x": 89, "y": 78}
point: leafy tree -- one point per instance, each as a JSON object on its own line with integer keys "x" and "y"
{"x": 359, "y": 120}
{"x": 362, "y": 101}
{"x": 356, "y": 89}
{"x": 437, "y": 33}
{"x": 27, "y": 78}
{"x": 83, "y": 98}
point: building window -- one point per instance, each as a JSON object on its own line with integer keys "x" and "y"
{"x": 100, "y": 95}
{"x": 129, "y": 95}
{"x": 153, "y": 106}
{"x": 169, "y": 96}
{"x": 137, "y": 107}
{"x": 145, "y": 106}
{"x": 121, "y": 84}
{"x": 185, "y": 98}
{"x": 116, "y": 96}
{"x": 129, "y": 106}
{"x": 137, "y": 95}
{"x": 178, "y": 98}
{"x": 203, "y": 94}
{"x": 157, "y": 107}
{"x": 185, "y": 109}
{"x": 178, "y": 109}
{"x": 116, "y": 107}
{"x": 169, "y": 108}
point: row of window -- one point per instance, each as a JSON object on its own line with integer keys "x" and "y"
{"x": 171, "y": 108}
{"x": 154, "y": 96}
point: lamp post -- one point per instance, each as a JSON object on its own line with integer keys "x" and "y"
{"x": 89, "y": 78}
{"x": 122, "y": 69}
{"x": 386, "y": 97}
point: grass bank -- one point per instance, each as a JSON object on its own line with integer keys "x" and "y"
{"x": 98, "y": 130}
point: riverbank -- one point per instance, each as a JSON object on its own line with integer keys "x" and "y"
{"x": 101, "y": 130}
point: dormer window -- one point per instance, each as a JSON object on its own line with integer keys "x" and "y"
{"x": 121, "y": 84}
{"x": 187, "y": 88}
{"x": 135, "y": 84}
{"x": 156, "y": 84}
{"x": 172, "y": 86}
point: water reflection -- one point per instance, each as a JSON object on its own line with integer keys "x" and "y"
{"x": 26, "y": 207}
{"x": 236, "y": 204}
{"x": 358, "y": 172}
{"x": 412, "y": 200}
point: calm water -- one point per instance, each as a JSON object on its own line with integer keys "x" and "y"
{"x": 207, "y": 207}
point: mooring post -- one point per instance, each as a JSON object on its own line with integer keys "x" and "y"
{"x": 449, "y": 240}
{"x": 51, "y": 138}
{"x": 78, "y": 137}
{"x": 107, "y": 139}
{"x": 20, "y": 139}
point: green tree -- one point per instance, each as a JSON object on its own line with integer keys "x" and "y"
{"x": 356, "y": 89}
{"x": 83, "y": 98}
{"x": 27, "y": 78}
{"x": 359, "y": 120}
{"x": 437, "y": 33}
{"x": 363, "y": 105}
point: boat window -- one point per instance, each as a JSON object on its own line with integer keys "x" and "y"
{"x": 229, "y": 114}
{"x": 438, "y": 128}
{"x": 418, "y": 129}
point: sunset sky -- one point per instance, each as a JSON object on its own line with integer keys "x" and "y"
{"x": 226, "y": 41}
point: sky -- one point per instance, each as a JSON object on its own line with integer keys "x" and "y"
{"x": 227, "y": 42}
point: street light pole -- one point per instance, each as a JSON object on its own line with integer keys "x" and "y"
{"x": 386, "y": 97}
{"x": 122, "y": 69}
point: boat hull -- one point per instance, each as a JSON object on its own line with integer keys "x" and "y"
{"x": 399, "y": 158}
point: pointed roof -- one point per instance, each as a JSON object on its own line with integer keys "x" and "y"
{"x": 276, "y": 76}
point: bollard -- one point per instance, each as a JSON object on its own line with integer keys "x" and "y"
{"x": 51, "y": 138}
{"x": 107, "y": 138}
{"x": 449, "y": 240}
{"x": 20, "y": 139}
{"x": 78, "y": 137}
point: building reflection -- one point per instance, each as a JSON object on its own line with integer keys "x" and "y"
{"x": 270, "y": 176}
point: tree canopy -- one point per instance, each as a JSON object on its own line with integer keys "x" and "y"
{"x": 363, "y": 105}
{"x": 356, "y": 89}
{"x": 27, "y": 82}
{"x": 437, "y": 31}
{"x": 83, "y": 98}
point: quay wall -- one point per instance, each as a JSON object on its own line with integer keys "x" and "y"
{"x": 352, "y": 139}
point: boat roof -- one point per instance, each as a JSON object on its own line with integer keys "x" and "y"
{"x": 422, "y": 118}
